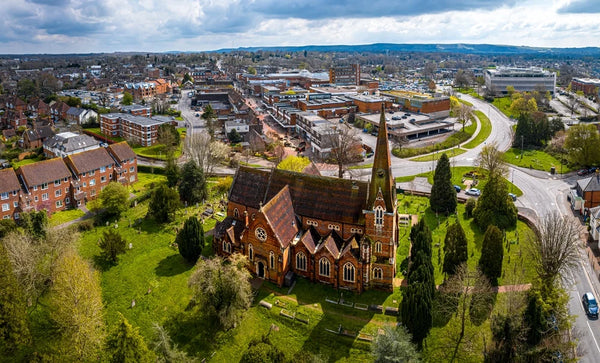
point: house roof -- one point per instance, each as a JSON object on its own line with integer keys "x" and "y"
{"x": 90, "y": 160}
{"x": 8, "y": 180}
{"x": 69, "y": 142}
{"x": 40, "y": 133}
{"x": 75, "y": 111}
{"x": 591, "y": 184}
{"x": 121, "y": 151}
{"x": 249, "y": 187}
{"x": 44, "y": 171}
{"x": 279, "y": 213}
{"x": 231, "y": 226}
{"x": 310, "y": 239}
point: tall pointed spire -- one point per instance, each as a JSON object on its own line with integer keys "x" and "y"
{"x": 381, "y": 175}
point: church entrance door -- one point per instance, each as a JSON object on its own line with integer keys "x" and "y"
{"x": 260, "y": 270}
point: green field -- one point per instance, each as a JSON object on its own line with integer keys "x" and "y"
{"x": 484, "y": 131}
{"x": 503, "y": 104}
{"x": 535, "y": 159}
{"x": 64, "y": 216}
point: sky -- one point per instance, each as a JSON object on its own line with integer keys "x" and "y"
{"x": 93, "y": 26}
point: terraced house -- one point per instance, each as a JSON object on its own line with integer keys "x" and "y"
{"x": 333, "y": 231}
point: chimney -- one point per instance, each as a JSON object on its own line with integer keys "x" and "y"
{"x": 246, "y": 218}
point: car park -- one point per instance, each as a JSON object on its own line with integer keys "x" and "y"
{"x": 590, "y": 305}
{"x": 473, "y": 191}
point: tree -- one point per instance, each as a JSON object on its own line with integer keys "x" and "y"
{"x": 234, "y": 137}
{"x": 533, "y": 128}
{"x": 127, "y": 99}
{"x": 172, "y": 172}
{"x": 555, "y": 247}
{"x": 492, "y": 159}
{"x": 522, "y": 104}
{"x": 262, "y": 350}
{"x": 190, "y": 239}
{"x": 464, "y": 114}
{"x": 443, "y": 195}
{"x": 294, "y": 163}
{"x": 76, "y": 305}
{"x": 7, "y": 226}
{"x": 192, "y": 187}
{"x": 167, "y": 135}
{"x": 114, "y": 198}
{"x": 462, "y": 79}
{"x": 112, "y": 245}
{"x": 492, "y": 253}
{"x": 455, "y": 248}
{"x": 394, "y": 345}
{"x": 470, "y": 205}
{"x": 35, "y": 223}
{"x": 14, "y": 330}
{"x": 164, "y": 201}
{"x": 126, "y": 345}
{"x": 345, "y": 146}
{"x": 207, "y": 154}
{"x": 583, "y": 145}
{"x": 495, "y": 206}
{"x": 165, "y": 349}
{"x": 209, "y": 115}
{"x": 222, "y": 289}
{"x": 187, "y": 78}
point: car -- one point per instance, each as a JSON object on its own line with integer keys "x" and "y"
{"x": 582, "y": 172}
{"x": 473, "y": 191}
{"x": 592, "y": 170}
{"x": 513, "y": 196}
{"x": 197, "y": 114}
{"x": 457, "y": 188}
{"x": 590, "y": 305}
{"x": 396, "y": 118}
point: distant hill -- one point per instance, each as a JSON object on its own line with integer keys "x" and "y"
{"x": 428, "y": 48}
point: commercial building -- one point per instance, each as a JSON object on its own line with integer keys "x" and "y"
{"x": 522, "y": 79}
{"x": 408, "y": 126}
{"x": 589, "y": 86}
{"x": 345, "y": 75}
{"x": 434, "y": 107}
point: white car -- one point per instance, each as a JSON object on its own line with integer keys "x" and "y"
{"x": 473, "y": 191}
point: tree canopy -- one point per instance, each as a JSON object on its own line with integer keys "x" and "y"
{"x": 583, "y": 145}
{"x": 164, "y": 201}
{"x": 190, "y": 239}
{"x": 443, "y": 195}
{"x": 126, "y": 345}
{"x": 492, "y": 254}
{"x": 112, "y": 245}
{"x": 192, "y": 187}
{"x": 455, "y": 248}
{"x": 394, "y": 345}
{"x": 495, "y": 206}
{"x": 294, "y": 163}
{"x": 114, "y": 199}
{"x": 127, "y": 99}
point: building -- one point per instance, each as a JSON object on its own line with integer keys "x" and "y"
{"x": 126, "y": 163}
{"x": 137, "y": 110}
{"x": 146, "y": 90}
{"x": 67, "y": 143}
{"x": 589, "y": 190}
{"x": 334, "y": 231}
{"x": 35, "y": 138}
{"x": 137, "y": 129}
{"x": 58, "y": 111}
{"x": 589, "y": 86}
{"x": 345, "y": 75}
{"x": 10, "y": 194}
{"x": 80, "y": 116}
{"x": 238, "y": 125}
{"x": 434, "y": 107}
{"x": 46, "y": 185}
{"x": 93, "y": 170}
{"x": 522, "y": 79}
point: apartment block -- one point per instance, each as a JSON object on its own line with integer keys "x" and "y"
{"x": 10, "y": 193}
{"x": 46, "y": 184}
{"x": 93, "y": 170}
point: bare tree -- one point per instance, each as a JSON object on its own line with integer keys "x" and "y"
{"x": 491, "y": 158}
{"x": 572, "y": 104}
{"x": 345, "y": 146}
{"x": 554, "y": 247}
{"x": 464, "y": 113}
{"x": 205, "y": 153}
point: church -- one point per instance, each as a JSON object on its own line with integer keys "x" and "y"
{"x": 339, "y": 232}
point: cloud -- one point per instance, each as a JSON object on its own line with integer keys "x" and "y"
{"x": 581, "y": 7}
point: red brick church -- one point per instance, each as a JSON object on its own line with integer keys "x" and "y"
{"x": 333, "y": 231}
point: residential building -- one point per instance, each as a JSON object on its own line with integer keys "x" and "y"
{"x": 126, "y": 163}
{"x": 522, "y": 79}
{"x": 58, "y": 111}
{"x": 238, "y": 125}
{"x": 93, "y": 170}
{"x": 46, "y": 184}
{"x": 137, "y": 110}
{"x": 35, "y": 138}
{"x": 137, "y": 129}
{"x": 345, "y": 75}
{"x": 80, "y": 116}
{"x": 67, "y": 143}
{"x": 589, "y": 190}
{"x": 10, "y": 194}
{"x": 339, "y": 232}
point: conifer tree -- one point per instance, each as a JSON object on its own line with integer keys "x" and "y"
{"x": 192, "y": 187}
{"x": 443, "y": 195}
{"x": 495, "y": 206}
{"x": 14, "y": 331}
{"x": 126, "y": 345}
{"x": 455, "y": 248}
{"x": 492, "y": 253}
{"x": 190, "y": 239}
{"x": 163, "y": 203}
{"x": 172, "y": 172}
{"x": 112, "y": 245}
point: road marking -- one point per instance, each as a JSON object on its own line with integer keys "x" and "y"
{"x": 593, "y": 336}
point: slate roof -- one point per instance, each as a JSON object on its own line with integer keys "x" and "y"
{"x": 40, "y": 133}
{"x": 75, "y": 111}
{"x": 121, "y": 151}
{"x": 8, "y": 180}
{"x": 249, "y": 187}
{"x": 591, "y": 184}
{"x": 310, "y": 239}
{"x": 44, "y": 171}
{"x": 231, "y": 226}
{"x": 279, "y": 213}
{"x": 69, "y": 142}
{"x": 90, "y": 160}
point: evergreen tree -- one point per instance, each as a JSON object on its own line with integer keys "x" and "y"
{"x": 190, "y": 239}
{"x": 192, "y": 188}
{"x": 163, "y": 204}
{"x": 14, "y": 331}
{"x": 443, "y": 195}
{"x": 492, "y": 253}
{"x": 35, "y": 223}
{"x": 112, "y": 245}
{"x": 114, "y": 199}
{"x": 126, "y": 345}
{"x": 495, "y": 206}
{"x": 455, "y": 248}
{"x": 172, "y": 172}
{"x": 234, "y": 137}
{"x": 416, "y": 312}
{"x": 394, "y": 346}
{"x": 420, "y": 238}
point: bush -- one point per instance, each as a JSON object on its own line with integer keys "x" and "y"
{"x": 470, "y": 206}
{"x": 224, "y": 184}
{"x": 85, "y": 226}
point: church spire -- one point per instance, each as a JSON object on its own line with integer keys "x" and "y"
{"x": 381, "y": 175}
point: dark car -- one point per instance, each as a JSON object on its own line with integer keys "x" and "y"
{"x": 590, "y": 305}
{"x": 513, "y": 196}
{"x": 592, "y": 170}
{"x": 457, "y": 188}
{"x": 582, "y": 172}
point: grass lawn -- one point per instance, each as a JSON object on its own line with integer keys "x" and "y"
{"x": 362, "y": 166}
{"x": 534, "y": 159}
{"x": 156, "y": 151}
{"x": 64, "y": 216}
{"x": 145, "y": 182}
{"x": 18, "y": 163}
{"x": 503, "y": 104}
{"x": 100, "y": 135}
{"x": 484, "y": 131}
{"x": 470, "y": 92}
{"x": 437, "y": 156}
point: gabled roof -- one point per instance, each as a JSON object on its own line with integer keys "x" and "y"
{"x": 121, "y": 151}
{"x": 591, "y": 184}
{"x": 310, "y": 239}
{"x": 333, "y": 244}
{"x": 76, "y": 111}
{"x": 8, "y": 180}
{"x": 311, "y": 169}
{"x": 90, "y": 160}
{"x": 249, "y": 187}
{"x": 279, "y": 213}
{"x": 44, "y": 171}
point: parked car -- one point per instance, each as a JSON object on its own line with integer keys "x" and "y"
{"x": 582, "y": 172}
{"x": 396, "y": 118}
{"x": 592, "y": 170}
{"x": 473, "y": 191}
{"x": 590, "y": 305}
{"x": 513, "y": 196}
{"x": 457, "y": 188}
